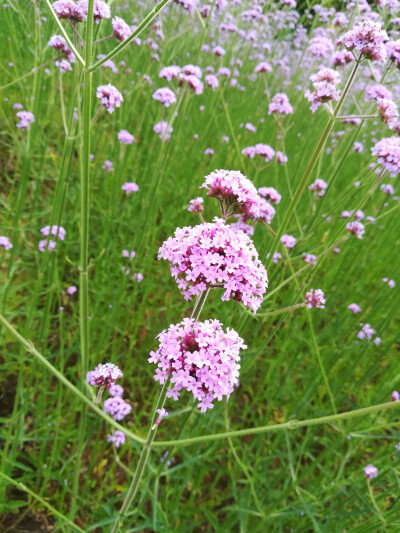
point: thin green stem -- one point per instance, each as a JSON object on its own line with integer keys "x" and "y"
{"x": 284, "y": 310}
{"x": 378, "y": 511}
{"x": 142, "y": 26}
{"x": 32, "y": 71}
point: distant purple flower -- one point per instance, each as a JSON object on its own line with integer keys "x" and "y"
{"x": 224, "y": 71}
{"x": 117, "y": 438}
{"x": 263, "y": 67}
{"x": 235, "y": 192}
{"x": 117, "y": 407}
{"x": 271, "y": 194}
{"x": 267, "y": 211}
{"x": 218, "y": 51}
{"x": 320, "y": 47}
{"x": 164, "y": 130}
{"x": 388, "y": 111}
{"x": 195, "y": 265}
{"x": 108, "y": 166}
{"x": 192, "y": 70}
{"x": 250, "y": 127}
{"x": 393, "y": 51}
{"x": 319, "y": 186}
{"x": 165, "y": 96}
{"x": 377, "y": 341}
{"x": 5, "y": 242}
{"x": 59, "y": 43}
{"x": 225, "y": 139}
{"x": 366, "y": 332}
{"x": 128, "y": 254}
{"x": 104, "y": 375}
{"x": 276, "y": 257}
{"x": 288, "y": 240}
{"x": 125, "y": 137}
{"x": 358, "y": 147}
{"x": 193, "y": 81}
{"x": 315, "y": 298}
{"x": 211, "y": 81}
{"x": 196, "y": 205}
{"x": 387, "y": 151}
{"x": 280, "y": 104}
{"x": 170, "y": 72}
{"x": 55, "y": 231}
{"x": 72, "y": 290}
{"x": 310, "y": 258}
{"x": 387, "y": 188}
{"x": 109, "y": 97}
{"x": 121, "y": 29}
{"x": 130, "y": 187}
{"x": 46, "y": 245}
{"x": 201, "y": 358}
{"x": 264, "y": 150}
{"x": 356, "y": 228}
{"x": 370, "y": 471}
{"x": 395, "y": 396}
{"x": 63, "y": 66}
{"x": 346, "y": 214}
{"x": 355, "y": 308}
{"x": 250, "y": 151}
{"x": 377, "y": 92}
{"x": 341, "y": 58}
{"x": 101, "y": 10}
{"x": 209, "y": 151}
{"x": 26, "y": 118}
{"x": 115, "y": 390}
{"x": 391, "y": 283}
{"x": 18, "y": 106}
{"x": 281, "y": 158}
{"x": 67, "y": 9}
{"x": 325, "y": 82}
{"x": 367, "y": 38}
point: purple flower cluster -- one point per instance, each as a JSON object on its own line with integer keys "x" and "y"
{"x": 367, "y": 38}
{"x": 263, "y": 150}
{"x": 165, "y": 96}
{"x": 280, "y": 104}
{"x": 26, "y": 118}
{"x": 235, "y": 192}
{"x": 288, "y": 240}
{"x": 117, "y": 407}
{"x": 201, "y": 358}
{"x": 121, "y": 29}
{"x": 164, "y": 130}
{"x": 213, "y": 254}
{"x": 130, "y": 187}
{"x": 370, "y": 471}
{"x": 59, "y": 43}
{"x": 104, "y": 375}
{"x": 355, "y": 308}
{"x": 5, "y": 242}
{"x": 324, "y": 83}
{"x": 319, "y": 186}
{"x": 196, "y": 205}
{"x": 49, "y": 244}
{"x": 366, "y": 332}
{"x": 270, "y": 194}
{"x": 101, "y": 10}
{"x": 315, "y": 298}
{"x": 125, "y": 137}
{"x": 67, "y": 9}
{"x": 109, "y": 97}
{"x": 387, "y": 151}
{"x": 356, "y": 228}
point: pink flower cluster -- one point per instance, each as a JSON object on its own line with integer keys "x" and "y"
{"x": 356, "y": 228}
{"x": 59, "y": 43}
{"x": 130, "y": 187}
{"x": 387, "y": 150}
{"x": 366, "y": 332}
{"x": 164, "y": 130}
{"x": 235, "y": 192}
{"x": 367, "y": 38}
{"x": 121, "y": 29}
{"x": 324, "y": 82}
{"x": 49, "y": 244}
{"x": 315, "y": 298}
{"x": 26, "y": 118}
{"x": 109, "y": 97}
{"x": 101, "y": 10}
{"x": 319, "y": 186}
{"x": 201, "y": 358}
{"x": 263, "y": 150}
{"x": 355, "y": 308}
{"x": 196, "y": 205}
{"x": 288, "y": 240}
{"x": 125, "y": 137}
{"x": 165, "y": 96}
{"x": 213, "y": 254}
{"x": 5, "y": 242}
{"x": 270, "y": 194}
{"x": 370, "y": 471}
{"x": 104, "y": 375}
{"x": 280, "y": 104}
{"x": 67, "y": 9}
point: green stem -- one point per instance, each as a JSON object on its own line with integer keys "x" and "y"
{"x": 284, "y": 310}
{"x": 371, "y": 494}
{"x": 311, "y": 165}
{"x": 32, "y": 71}
{"x": 142, "y": 26}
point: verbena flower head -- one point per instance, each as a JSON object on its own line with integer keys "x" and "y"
{"x": 270, "y": 194}
{"x": 165, "y": 96}
{"x": 201, "y": 358}
{"x": 169, "y": 73}
{"x": 311, "y": 258}
{"x": 320, "y": 47}
{"x": 121, "y": 29}
{"x": 115, "y": 390}
{"x": 211, "y": 81}
{"x": 26, "y": 118}
{"x": 355, "y": 308}
{"x": 193, "y": 81}
{"x": 367, "y": 38}
{"x": 341, "y": 58}
{"x": 109, "y": 97}
{"x": 280, "y": 104}
{"x": 117, "y": 438}
{"x": 235, "y": 192}
{"x": 288, "y": 240}
{"x": 67, "y": 9}
{"x": 59, "y": 43}
{"x": 265, "y": 151}
{"x": 370, "y": 471}
{"x": 5, "y": 242}
{"x": 387, "y": 150}
{"x": 48, "y": 245}
{"x": 315, "y": 298}
{"x": 387, "y": 188}
{"x": 125, "y": 137}
{"x": 267, "y": 211}
{"x": 276, "y": 257}
{"x": 319, "y": 186}
{"x": 395, "y": 396}
{"x": 263, "y": 67}
{"x": 281, "y": 158}
{"x": 130, "y": 187}
{"x": 356, "y": 228}
{"x": 164, "y": 130}
{"x": 104, "y": 375}
{"x": 388, "y": 112}
{"x": 393, "y": 51}
{"x": 196, "y": 205}
{"x": 64, "y": 65}
{"x": 117, "y": 407}
{"x": 72, "y": 290}
{"x": 376, "y": 92}
{"x": 101, "y": 10}
{"x": 55, "y": 231}
{"x": 213, "y": 254}
{"x": 324, "y": 82}
{"x": 366, "y": 332}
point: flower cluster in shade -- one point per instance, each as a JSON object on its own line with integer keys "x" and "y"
{"x": 288, "y": 240}
{"x": 315, "y": 298}
{"x": 235, "y": 192}
{"x": 355, "y": 308}
{"x": 356, "y": 228}
{"x": 366, "y": 332}
{"x": 125, "y": 137}
{"x": 324, "y": 84}
{"x": 214, "y": 254}
{"x": 199, "y": 357}
{"x": 165, "y": 96}
{"x": 50, "y": 244}
{"x": 163, "y": 130}
{"x": 387, "y": 150}
{"x": 367, "y": 38}
{"x": 105, "y": 376}
{"x": 59, "y": 43}
{"x": 280, "y": 104}
{"x": 5, "y": 242}
{"x": 25, "y": 119}
{"x": 370, "y": 471}
{"x": 77, "y": 11}
{"x": 319, "y": 186}
{"x": 109, "y": 97}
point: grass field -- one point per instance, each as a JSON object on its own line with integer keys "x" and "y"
{"x": 58, "y": 472}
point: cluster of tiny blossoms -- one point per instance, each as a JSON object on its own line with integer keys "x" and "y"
{"x": 213, "y": 254}
{"x": 105, "y": 376}
{"x": 49, "y": 244}
{"x": 315, "y": 298}
{"x": 368, "y": 39}
{"x": 201, "y": 358}
{"x": 109, "y": 97}
{"x": 324, "y": 83}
